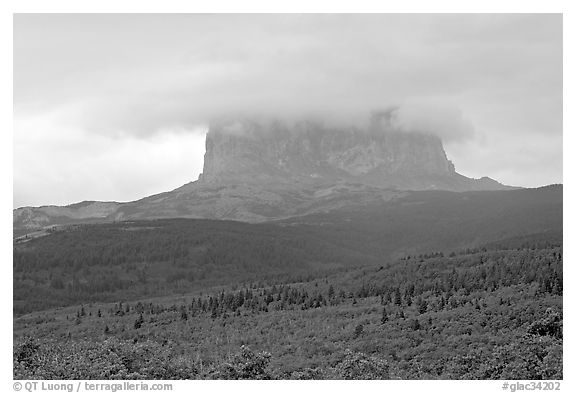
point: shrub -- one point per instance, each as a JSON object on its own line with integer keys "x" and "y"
{"x": 245, "y": 365}
{"x": 110, "y": 359}
{"x": 550, "y": 325}
{"x": 357, "y": 365}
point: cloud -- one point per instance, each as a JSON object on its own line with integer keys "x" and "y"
{"x": 55, "y": 164}
{"x": 531, "y": 161}
{"x": 141, "y": 73}
{"x": 433, "y": 117}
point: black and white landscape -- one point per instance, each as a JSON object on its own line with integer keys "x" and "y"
{"x": 329, "y": 234}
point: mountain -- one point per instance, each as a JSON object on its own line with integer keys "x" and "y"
{"x": 262, "y": 170}
{"x": 310, "y": 153}
{"x": 27, "y": 220}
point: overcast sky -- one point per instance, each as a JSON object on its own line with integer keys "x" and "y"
{"x": 115, "y": 107}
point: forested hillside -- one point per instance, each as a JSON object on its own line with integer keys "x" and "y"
{"x": 151, "y": 258}
{"x": 488, "y": 312}
{"x": 130, "y": 260}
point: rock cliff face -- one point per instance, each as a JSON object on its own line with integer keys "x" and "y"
{"x": 308, "y": 152}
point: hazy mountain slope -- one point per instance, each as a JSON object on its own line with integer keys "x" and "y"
{"x": 429, "y": 219}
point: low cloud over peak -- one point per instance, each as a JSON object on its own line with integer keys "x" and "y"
{"x": 434, "y": 118}
{"x": 440, "y": 119}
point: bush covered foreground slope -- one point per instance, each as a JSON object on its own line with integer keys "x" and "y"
{"x": 492, "y": 312}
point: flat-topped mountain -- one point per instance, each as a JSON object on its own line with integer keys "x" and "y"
{"x": 260, "y": 170}
{"x": 309, "y": 152}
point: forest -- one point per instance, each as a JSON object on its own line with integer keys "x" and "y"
{"x": 487, "y": 312}
{"x": 124, "y": 261}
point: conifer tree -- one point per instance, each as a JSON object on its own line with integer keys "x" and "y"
{"x": 384, "y": 318}
{"x": 138, "y": 323}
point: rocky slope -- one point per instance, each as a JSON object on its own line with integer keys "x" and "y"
{"x": 257, "y": 171}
